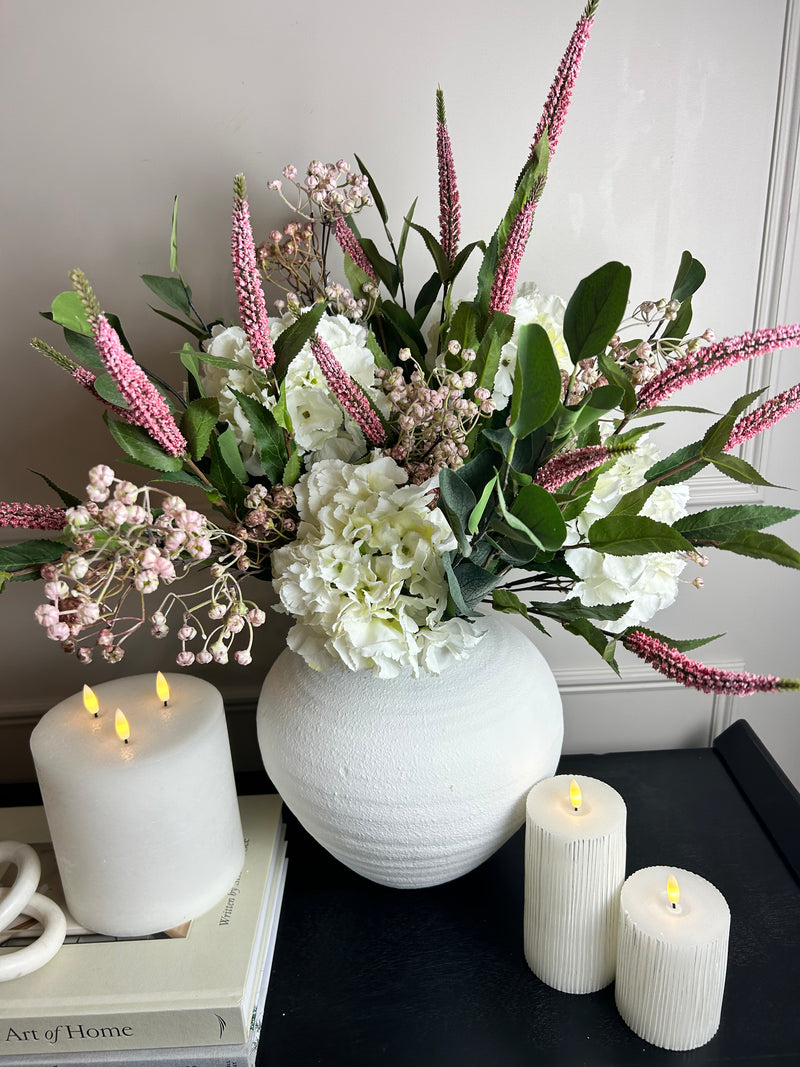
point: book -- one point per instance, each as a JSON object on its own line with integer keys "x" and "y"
{"x": 243, "y": 1055}
{"x": 195, "y": 989}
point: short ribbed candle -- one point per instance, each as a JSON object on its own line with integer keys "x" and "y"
{"x": 672, "y": 961}
{"x": 574, "y": 868}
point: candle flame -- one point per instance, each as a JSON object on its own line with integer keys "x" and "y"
{"x": 575, "y": 795}
{"x": 162, "y": 687}
{"x": 121, "y": 725}
{"x": 90, "y": 701}
{"x": 673, "y": 892}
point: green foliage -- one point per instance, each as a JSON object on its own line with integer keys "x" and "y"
{"x": 595, "y": 310}
{"x": 28, "y": 554}
{"x": 197, "y": 424}
{"x": 141, "y": 448}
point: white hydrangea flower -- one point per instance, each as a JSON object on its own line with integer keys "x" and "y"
{"x": 650, "y": 581}
{"x": 531, "y": 305}
{"x": 319, "y": 425}
{"x": 365, "y": 579}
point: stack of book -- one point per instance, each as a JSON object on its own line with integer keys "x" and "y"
{"x": 192, "y": 997}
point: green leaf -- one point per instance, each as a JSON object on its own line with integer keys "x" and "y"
{"x": 477, "y": 512}
{"x": 508, "y": 601}
{"x": 375, "y": 192}
{"x": 294, "y": 337}
{"x": 292, "y": 470}
{"x": 718, "y": 524}
{"x": 633, "y": 502}
{"x": 171, "y": 290}
{"x": 682, "y": 645}
{"x": 69, "y": 500}
{"x": 82, "y": 347}
{"x": 197, "y": 424}
{"x": 222, "y": 475}
{"x": 600, "y": 642}
{"x": 474, "y": 583}
{"x": 691, "y": 275}
{"x": 107, "y": 389}
{"x": 595, "y": 310}
{"x": 540, "y": 513}
{"x": 762, "y": 546}
{"x": 386, "y": 271}
{"x": 739, "y": 470}
{"x": 671, "y": 407}
{"x": 68, "y": 311}
{"x": 401, "y": 247}
{"x": 426, "y": 298}
{"x": 191, "y": 361}
{"x": 668, "y": 471}
{"x": 137, "y": 444}
{"x": 268, "y": 435}
{"x": 718, "y": 435}
{"x": 441, "y": 262}
{"x": 30, "y": 554}
{"x": 190, "y": 327}
{"x": 617, "y": 376}
{"x": 537, "y": 381}
{"x": 380, "y": 357}
{"x": 181, "y": 477}
{"x": 574, "y": 609}
{"x": 173, "y": 237}
{"x": 635, "y": 535}
{"x": 457, "y": 501}
{"x": 404, "y": 323}
{"x": 594, "y": 406}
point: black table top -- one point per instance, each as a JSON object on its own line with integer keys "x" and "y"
{"x": 366, "y": 975}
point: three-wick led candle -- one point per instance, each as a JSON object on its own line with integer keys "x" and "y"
{"x": 138, "y": 789}
{"x": 574, "y": 868}
{"x": 673, "y": 954}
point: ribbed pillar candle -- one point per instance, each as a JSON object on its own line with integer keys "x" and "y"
{"x": 672, "y": 958}
{"x": 574, "y": 868}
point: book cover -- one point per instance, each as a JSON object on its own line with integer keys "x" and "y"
{"x": 101, "y": 995}
{"x": 242, "y": 1055}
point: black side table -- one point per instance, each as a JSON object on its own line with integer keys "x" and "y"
{"x": 365, "y": 975}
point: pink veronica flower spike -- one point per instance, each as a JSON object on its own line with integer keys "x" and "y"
{"x": 32, "y": 516}
{"x": 348, "y": 393}
{"x": 252, "y": 306}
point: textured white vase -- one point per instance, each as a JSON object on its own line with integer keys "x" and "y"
{"x": 413, "y": 781}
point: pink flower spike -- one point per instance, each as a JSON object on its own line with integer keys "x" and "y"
{"x": 449, "y": 199}
{"x": 348, "y": 242}
{"x": 252, "y": 306}
{"x": 558, "y": 99}
{"x": 562, "y": 469}
{"x": 147, "y": 407}
{"x": 347, "y": 392}
{"x": 770, "y": 412}
{"x": 505, "y": 278}
{"x": 32, "y": 516}
{"x": 689, "y": 672}
{"x": 709, "y": 359}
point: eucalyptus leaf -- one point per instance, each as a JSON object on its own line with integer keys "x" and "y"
{"x": 474, "y": 583}
{"x": 68, "y": 311}
{"x": 172, "y": 291}
{"x": 540, "y": 513}
{"x": 457, "y": 501}
{"x": 537, "y": 381}
{"x": 595, "y": 310}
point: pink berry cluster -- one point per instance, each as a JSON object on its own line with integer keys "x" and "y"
{"x": 327, "y": 190}
{"x": 432, "y": 421}
{"x": 270, "y": 521}
{"x": 124, "y": 549}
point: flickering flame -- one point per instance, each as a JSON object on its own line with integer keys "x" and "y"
{"x": 90, "y": 701}
{"x": 673, "y": 892}
{"x": 162, "y": 687}
{"x": 122, "y": 726}
{"x": 575, "y": 795}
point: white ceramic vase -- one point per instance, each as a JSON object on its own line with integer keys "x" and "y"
{"x": 413, "y": 781}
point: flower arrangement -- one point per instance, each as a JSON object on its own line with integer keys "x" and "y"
{"x": 393, "y": 465}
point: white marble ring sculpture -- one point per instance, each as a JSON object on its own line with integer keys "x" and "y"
{"x": 22, "y": 899}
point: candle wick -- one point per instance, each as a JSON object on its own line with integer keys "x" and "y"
{"x": 96, "y": 714}
{"x": 126, "y": 741}
{"x": 674, "y": 904}
{"x": 166, "y": 703}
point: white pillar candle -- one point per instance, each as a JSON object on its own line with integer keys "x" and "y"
{"x": 672, "y": 958}
{"x": 146, "y": 832}
{"x": 574, "y": 868}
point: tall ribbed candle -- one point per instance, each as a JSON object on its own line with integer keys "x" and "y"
{"x": 574, "y": 868}
{"x": 672, "y": 957}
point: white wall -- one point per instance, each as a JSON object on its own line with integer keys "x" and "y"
{"x": 110, "y": 108}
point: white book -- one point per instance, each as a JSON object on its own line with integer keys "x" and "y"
{"x": 243, "y": 1055}
{"x": 182, "y": 992}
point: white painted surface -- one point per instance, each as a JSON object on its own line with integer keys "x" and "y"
{"x": 672, "y": 142}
